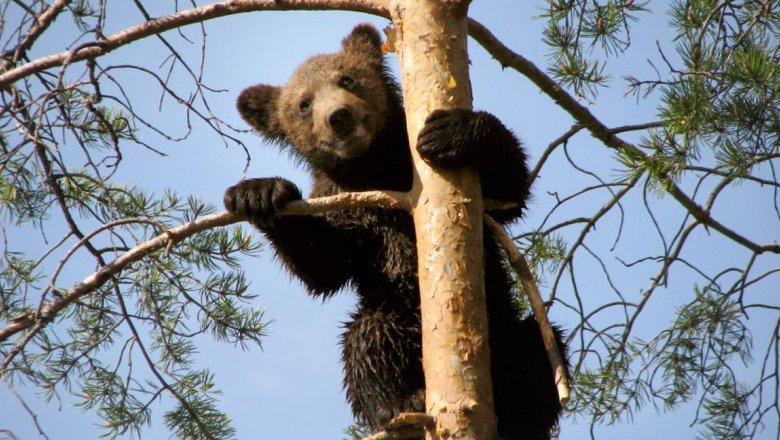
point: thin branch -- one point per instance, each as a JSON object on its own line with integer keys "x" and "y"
{"x": 84, "y": 240}
{"x": 518, "y": 262}
{"x": 706, "y": 219}
{"x": 196, "y": 416}
{"x": 366, "y": 199}
{"x": 508, "y": 58}
{"x": 93, "y": 49}
{"x": 391, "y": 200}
{"x": 26, "y": 407}
{"x": 591, "y": 223}
{"x": 550, "y": 148}
{"x": 48, "y": 311}
{"x": 42, "y": 22}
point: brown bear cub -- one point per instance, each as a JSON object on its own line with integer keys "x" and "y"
{"x": 341, "y": 115}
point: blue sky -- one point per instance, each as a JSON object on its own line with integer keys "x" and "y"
{"x": 292, "y": 387}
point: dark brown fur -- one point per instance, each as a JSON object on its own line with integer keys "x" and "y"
{"x": 341, "y": 115}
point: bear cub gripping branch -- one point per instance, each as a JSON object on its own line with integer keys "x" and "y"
{"x": 341, "y": 115}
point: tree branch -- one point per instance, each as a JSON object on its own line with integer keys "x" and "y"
{"x": 366, "y": 199}
{"x": 156, "y": 26}
{"x": 46, "y": 313}
{"x": 518, "y": 262}
{"x": 42, "y": 22}
{"x": 405, "y": 426}
{"x": 508, "y": 58}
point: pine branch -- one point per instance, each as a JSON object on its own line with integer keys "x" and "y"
{"x": 94, "y": 49}
{"x": 165, "y": 240}
{"x": 581, "y": 114}
{"x": 49, "y": 311}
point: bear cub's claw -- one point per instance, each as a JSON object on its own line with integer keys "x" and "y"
{"x": 448, "y": 138}
{"x": 261, "y": 199}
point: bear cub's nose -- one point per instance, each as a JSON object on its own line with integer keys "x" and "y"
{"x": 342, "y": 122}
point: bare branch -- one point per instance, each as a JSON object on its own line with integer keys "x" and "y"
{"x": 42, "y": 22}
{"x": 156, "y": 26}
{"x": 518, "y": 262}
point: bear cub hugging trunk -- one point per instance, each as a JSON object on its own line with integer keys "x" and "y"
{"x": 341, "y": 115}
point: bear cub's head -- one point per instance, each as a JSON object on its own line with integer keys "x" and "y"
{"x": 332, "y": 108}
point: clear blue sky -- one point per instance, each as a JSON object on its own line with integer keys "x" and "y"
{"x": 292, "y": 387}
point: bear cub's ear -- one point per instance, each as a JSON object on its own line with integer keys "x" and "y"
{"x": 364, "y": 39}
{"x": 258, "y": 106}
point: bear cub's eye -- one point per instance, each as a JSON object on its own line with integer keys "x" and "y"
{"x": 346, "y": 81}
{"x": 304, "y": 105}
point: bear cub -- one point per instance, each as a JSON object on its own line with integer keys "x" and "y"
{"x": 341, "y": 115}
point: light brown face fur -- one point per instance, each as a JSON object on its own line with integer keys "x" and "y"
{"x": 334, "y": 104}
{"x": 333, "y": 107}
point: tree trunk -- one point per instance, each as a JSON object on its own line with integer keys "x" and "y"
{"x": 447, "y": 208}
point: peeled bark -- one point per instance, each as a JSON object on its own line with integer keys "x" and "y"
{"x": 447, "y": 207}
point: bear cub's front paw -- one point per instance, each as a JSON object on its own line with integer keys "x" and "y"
{"x": 448, "y": 138}
{"x": 261, "y": 199}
